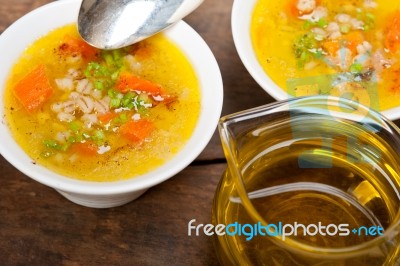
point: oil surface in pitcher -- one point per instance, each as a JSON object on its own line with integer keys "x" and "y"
{"x": 309, "y": 181}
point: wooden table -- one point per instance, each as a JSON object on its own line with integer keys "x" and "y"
{"x": 40, "y": 227}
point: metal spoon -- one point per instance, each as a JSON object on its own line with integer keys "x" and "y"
{"x": 111, "y": 24}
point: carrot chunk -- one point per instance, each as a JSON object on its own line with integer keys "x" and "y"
{"x": 34, "y": 89}
{"x": 128, "y": 82}
{"x": 392, "y": 37}
{"x": 331, "y": 47}
{"x": 291, "y": 8}
{"x": 350, "y": 41}
{"x": 107, "y": 117}
{"x": 353, "y": 39}
{"x": 75, "y": 46}
{"x": 137, "y": 131}
{"x": 87, "y": 148}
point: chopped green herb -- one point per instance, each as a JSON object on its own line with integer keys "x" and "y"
{"x": 114, "y": 75}
{"x": 141, "y": 109}
{"x": 144, "y": 98}
{"x": 307, "y": 24}
{"x": 302, "y": 47}
{"x": 115, "y": 103}
{"x": 123, "y": 117}
{"x": 98, "y": 135}
{"x": 370, "y": 16}
{"x": 369, "y": 21}
{"x": 318, "y": 54}
{"x": 130, "y": 95}
{"x": 356, "y": 68}
{"x": 125, "y": 102}
{"x": 345, "y": 29}
{"x": 71, "y": 140}
{"x": 322, "y": 23}
{"x": 52, "y": 144}
{"x": 112, "y": 93}
{"x": 75, "y": 126}
{"x": 108, "y": 58}
{"x": 117, "y": 54}
{"x": 131, "y": 105}
{"x": 78, "y": 138}
{"x": 98, "y": 85}
{"x": 65, "y": 146}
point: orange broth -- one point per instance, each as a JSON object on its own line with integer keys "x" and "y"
{"x": 101, "y": 115}
{"x": 353, "y": 45}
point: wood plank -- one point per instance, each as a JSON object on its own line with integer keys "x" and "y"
{"x": 10, "y": 11}
{"x": 40, "y": 227}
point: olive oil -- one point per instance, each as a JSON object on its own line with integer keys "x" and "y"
{"x": 310, "y": 173}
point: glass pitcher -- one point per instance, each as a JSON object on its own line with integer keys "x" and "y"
{"x": 310, "y": 181}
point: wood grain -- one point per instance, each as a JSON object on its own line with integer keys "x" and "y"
{"x": 39, "y": 227}
{"x": 10, "y": 11}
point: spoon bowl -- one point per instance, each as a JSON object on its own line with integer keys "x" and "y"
{"x": 118, "y": 23}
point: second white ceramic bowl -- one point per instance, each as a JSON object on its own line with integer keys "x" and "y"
{"x": 242, "y": 12}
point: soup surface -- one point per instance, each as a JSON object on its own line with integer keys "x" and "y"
{"x": 343, "y": 48}
{"x": 101, "y": 115}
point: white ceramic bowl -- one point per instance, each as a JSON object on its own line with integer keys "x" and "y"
{"x": 242, "y": 12}
{"x": 109, "y": 194}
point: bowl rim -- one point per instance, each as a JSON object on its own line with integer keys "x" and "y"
{"x": 241, "y": 15}
{"x": 211, "y": 89}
